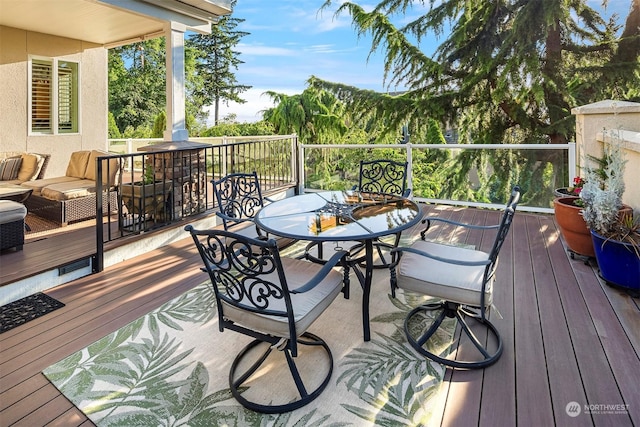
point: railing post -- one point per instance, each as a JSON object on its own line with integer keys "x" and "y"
{"x": 223, "y": 172}
{"x": 98, "y": 262}
{"x": 294, "y": 159}
{"x": 572, "y": 161}
{"x": 409, "y": 167}
{"x": 301, "y": 176}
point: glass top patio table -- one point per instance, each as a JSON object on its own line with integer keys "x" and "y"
{"x": 335, "y": 216}
{"x": 338, "y": 216}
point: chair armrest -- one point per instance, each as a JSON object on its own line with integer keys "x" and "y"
{"x": 320, "y": 275}
{"x": 462, "y": 224}
{"x": 439, "y": 258}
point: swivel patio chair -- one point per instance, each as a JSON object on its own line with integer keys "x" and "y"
{"x": 274, "y": 300}
{"x": 375, "y": 176}
{"x": 239, "y": 199}
{"x": 462, "y": 279}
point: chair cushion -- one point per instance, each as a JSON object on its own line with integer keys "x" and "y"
{"x": 307, "y": 306}
{"x": 450, "y": 282}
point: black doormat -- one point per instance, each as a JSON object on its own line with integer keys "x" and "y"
{"x": 28, "y": 308}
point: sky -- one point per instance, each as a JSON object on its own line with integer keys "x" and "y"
{"x": 291, "y": 40}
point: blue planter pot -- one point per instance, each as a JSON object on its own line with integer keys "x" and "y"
{"x": 619, "y": 265}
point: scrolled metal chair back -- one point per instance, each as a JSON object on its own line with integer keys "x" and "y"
{"x": 383, "y": 176}
{"x": 245, "y": 273}
{"x": 238, "y": 195}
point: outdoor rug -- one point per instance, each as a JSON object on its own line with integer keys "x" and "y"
{"x": 171, "y": 368}
{"x": 21, "y": 311}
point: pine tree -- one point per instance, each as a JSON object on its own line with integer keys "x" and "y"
{"x": 506, "y": 67}
{"x": 215, "y": 64}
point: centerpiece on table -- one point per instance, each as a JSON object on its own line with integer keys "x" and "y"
{"x": 614, "y": 228}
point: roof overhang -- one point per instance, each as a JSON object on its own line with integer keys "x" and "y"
{"x": 110, "y": 22}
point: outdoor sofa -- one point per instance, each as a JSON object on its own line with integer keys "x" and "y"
{"x": 17, "y": 167}
{"x": 72, "y": 197}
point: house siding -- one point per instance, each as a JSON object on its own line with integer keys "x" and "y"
{"x": 15, "y": 47}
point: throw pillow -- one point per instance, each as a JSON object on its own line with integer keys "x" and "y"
{"x": 9, "y": 168}
{"x": 28, "y": 167}
{"x": 78, "y": 164}
{"x": 111, "y": 164}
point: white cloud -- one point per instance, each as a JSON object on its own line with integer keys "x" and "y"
{"x": 261, "y": 50}
{"x": 256, "y": 101}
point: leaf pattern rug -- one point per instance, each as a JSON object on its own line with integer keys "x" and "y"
{"x": 171, "y": 367}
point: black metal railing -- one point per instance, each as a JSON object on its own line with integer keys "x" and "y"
{"x": 182, "y": 188}
{"x": 159, "y": 186}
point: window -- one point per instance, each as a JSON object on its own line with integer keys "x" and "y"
{"x": 54, "y": 96}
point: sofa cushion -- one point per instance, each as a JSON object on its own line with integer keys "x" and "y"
{"x": 39, "y": 184}
{"x": 77, "y": 166}
{"x": 69, "y": 190}
{"x": 9, "y": 168}
{"x": 90, "y": 173}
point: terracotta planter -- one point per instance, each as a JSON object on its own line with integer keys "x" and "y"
{"x": 572, "y": 226}
{"x": 563, "y": 192}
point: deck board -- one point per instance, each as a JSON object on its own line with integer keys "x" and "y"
{"x": 467, "y": 383}
{"x": 499, "y": 392}
{"x": 567, "y": 337}
{"x": 564, "y": 375}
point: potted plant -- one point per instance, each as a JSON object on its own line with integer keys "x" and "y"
{"x": 614, "y": 227}
{"x": 573, "y": 191}
{"x": 574, "y": 230}
{"x": 148, "y": 197}
{"x": 568, "y": 210}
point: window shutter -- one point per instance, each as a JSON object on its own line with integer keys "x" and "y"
{"x": 41, "y": 83}
{"x": 66, "y": 98}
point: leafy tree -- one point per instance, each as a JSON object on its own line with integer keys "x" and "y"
{"x": 509, "y": 71}
{"x": 159, "y": 125}
{"x": 113, "y": 130}
{"x": 137, "y": 83}
{"x": 315, "y": 116}
{"x": 506, "y": 65}
{"x": 215, "y": 62}
{"x": 231, "y": 128}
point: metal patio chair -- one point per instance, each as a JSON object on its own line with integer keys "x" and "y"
{"x": 274, "y": 300}
{"x": 462, "y": 279}
{"x": 375, "y": 176}
{"x": 239, "y": 199}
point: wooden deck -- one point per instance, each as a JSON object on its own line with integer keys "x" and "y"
{"x": 567, "y": 337}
